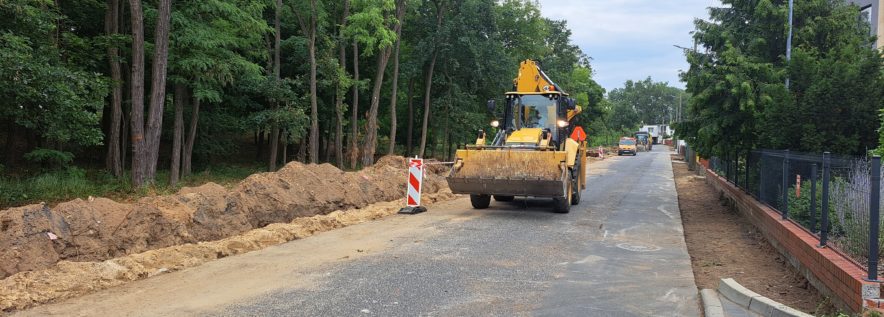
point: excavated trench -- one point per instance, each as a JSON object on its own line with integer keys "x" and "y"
{"x": 84, "y": 245}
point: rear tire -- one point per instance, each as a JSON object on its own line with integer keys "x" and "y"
{"x": 575, "y": 196}
{"x": 480, "y": 201}
{"x": 504, "y": 198}
{"x": 575, "y": 189}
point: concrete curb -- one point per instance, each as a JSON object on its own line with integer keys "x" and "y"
{"x": 711, "y": 303}
{"x": 756, "y": 303}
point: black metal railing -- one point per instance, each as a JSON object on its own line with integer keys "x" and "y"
{"x": 837, "y": 198}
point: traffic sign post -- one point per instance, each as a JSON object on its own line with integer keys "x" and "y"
{"x": 413, "y": 187}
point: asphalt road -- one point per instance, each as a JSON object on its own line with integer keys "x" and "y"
{"x": 621, "y": 252}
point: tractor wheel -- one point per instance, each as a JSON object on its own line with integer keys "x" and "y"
{"x": 504, "y": 198}
{"x": 575, "y": 195}
{"x": 480, "y": 201}
{"x": 562, "y": 205}
{"x": 575, "y": 188}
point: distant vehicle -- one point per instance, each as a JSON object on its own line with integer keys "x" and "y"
{"x": 657, "y": 132}
{"x": 627, "y": 146}
{"x": 643, "y": 140}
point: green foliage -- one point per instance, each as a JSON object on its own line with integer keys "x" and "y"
{"x": 799, "y": 207}
{"x": 50, "y": 158}
{"x": 652, "y": 102}
{"x": 737, "y": 79}
{"x": 54, "y": 59}
{"x": 370, "y": 24}
{"x": 44, "y": 94}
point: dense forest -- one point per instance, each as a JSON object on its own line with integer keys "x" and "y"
{"x": 150, "y": 92}
{"x": 747, "y": 95}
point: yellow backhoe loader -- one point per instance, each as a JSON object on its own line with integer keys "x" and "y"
{"x": 531, "y": 154}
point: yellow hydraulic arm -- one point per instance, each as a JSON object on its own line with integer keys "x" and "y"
{"x": 532, "y": 79}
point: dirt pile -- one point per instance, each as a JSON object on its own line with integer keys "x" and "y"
{"x": 69, "y": 279}
{"x": 36, "y": 237}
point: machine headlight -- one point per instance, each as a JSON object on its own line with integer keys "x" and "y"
{"x": 495, "y": 123}
{"x": 562, "y": 123}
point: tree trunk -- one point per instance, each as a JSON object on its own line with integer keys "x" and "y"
{"x": 428, "y": 83}
{"x": 339, "y": 98}
{"x": 354, "y": 119}
{"x": 157, "y": 89}
{"x": 274, "y": 146}
{"x": 410, "y": 134}
{"x": 400, "y": 14}
{"x": 274, "y": 134}
{"x": 302, "y": 150}
{"x": 178, "y": 134}
{"x": 314, "y": 110}
{"x": 371, "y": 125}
{"x": 191, "y": 138}
{"x": 447, "y": 146}
{"x": 113, "y": 161}
{"x": 125, "y": 137}
{"x": 393, "y": 98}
{"x": 137, "y": 94}
{"x": 285, "y": 148}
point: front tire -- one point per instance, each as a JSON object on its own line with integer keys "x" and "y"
{"x": 562, "y": 205}
{"x": 480, "y": 201}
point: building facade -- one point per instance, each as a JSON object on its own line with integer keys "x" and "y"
{"x": 873, "y": 12}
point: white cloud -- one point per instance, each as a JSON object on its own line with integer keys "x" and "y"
{"x": 631, "y": 39}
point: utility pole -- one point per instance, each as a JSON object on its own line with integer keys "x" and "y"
{"x": 789, "y": 42}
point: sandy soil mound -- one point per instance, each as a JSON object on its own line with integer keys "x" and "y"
{"x": 68, "y": 279}
{"x": 36, "y": 237}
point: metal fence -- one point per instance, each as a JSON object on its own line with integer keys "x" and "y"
{"x": 690, "y": 157}
{"x": 837, "y": 198}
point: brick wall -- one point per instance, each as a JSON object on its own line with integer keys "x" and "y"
{"x": 832, "y": 273}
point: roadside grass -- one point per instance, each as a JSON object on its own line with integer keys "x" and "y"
{"x": 57, "y": 186}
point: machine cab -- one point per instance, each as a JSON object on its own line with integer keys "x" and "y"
{"x": 532, "y": 119}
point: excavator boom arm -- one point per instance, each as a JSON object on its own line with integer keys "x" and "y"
{"x": 532, "y": 79}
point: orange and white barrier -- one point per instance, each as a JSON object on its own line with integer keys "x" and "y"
{"x": 413, "y": 192}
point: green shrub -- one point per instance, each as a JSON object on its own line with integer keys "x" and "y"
{"x": 50, "y": 158}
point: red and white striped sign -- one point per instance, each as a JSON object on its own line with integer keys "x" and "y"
{"x": 415, "y": 179}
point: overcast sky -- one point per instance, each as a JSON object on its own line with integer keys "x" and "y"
{"x": 631, "y": 39}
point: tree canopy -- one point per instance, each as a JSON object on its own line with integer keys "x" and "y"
{"x": 738, "y": 79}
{"x": 241, "y": 80}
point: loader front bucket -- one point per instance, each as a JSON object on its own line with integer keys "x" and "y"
{"x": 509, "y": 172}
